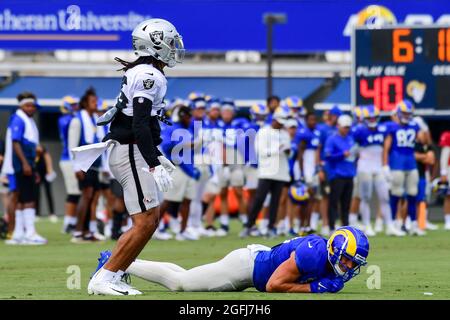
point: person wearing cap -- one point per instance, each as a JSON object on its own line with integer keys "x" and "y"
{"x": 23, "y": 139}
{"x": 273, "y": 146}
{"x": 340, "y": 154}
{"x": 309, "y": 146}
{"x": 177, "y": 146}
{"x": 68, "y": 108}
{"x": 209, "y": 138}
{"x": 83, "y": 131}
{"x": 230, "y": 169}
{"x": 327, "y": 129}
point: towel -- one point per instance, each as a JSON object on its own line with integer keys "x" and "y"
{"x": 8, "y": 167}
{"x": 31, "y": 132}
{"x": 84, "y": 156}
{"x": 89, "y": 127}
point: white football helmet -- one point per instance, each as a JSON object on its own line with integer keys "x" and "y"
{"x": 158, "y": 38}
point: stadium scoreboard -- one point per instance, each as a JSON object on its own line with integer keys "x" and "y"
{"x": 395, "y": 63}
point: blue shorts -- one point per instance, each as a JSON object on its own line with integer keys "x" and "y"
{"x": 12, "y": 185}
{"x": 422, "y": 187}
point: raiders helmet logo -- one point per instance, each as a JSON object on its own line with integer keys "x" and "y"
{"x": 157, "y": 37}
{"x": 148, "y": 83}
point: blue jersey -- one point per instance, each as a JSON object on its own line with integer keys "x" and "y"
{"x": 311, "y": 137}
{"x": 401, "y": 155}
{"x": 340, "y": 166}
{"x": 326, "y": 131}
{"x": 246, "y": 146}
{"x": 311, "y": 258}
{"x": 17, "y": 127}
{"x": 292, "y": 159}
{"x": 177, "y": 135}
{"x": 63, "y": 126}
{"x": 230, "y": 131}
{"x": 365, "y": 136}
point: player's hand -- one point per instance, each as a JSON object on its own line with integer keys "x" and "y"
{"x": 80, "y": 175}
{"x": 162, "y": 178}
{"x": 27, "y": 170}
{"x": 50, "y": 177}
{"x": 444, "y": 179}
{"x": 346, "y": 153}
{"x": 331, "y": 285}
{"x": 167, "y": 164}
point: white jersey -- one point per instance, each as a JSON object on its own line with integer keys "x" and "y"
{"x": 146, "y": 81}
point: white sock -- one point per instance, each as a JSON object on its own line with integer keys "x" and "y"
{"x": 93, "y": 226}
{"x": 447, "y": 218}
{"x": 365, "y": 212}
{"x": 73, "y": 220}
{"x": 314, "y": 220}
{"x": 104, "y": 275}
{"x": 244, "y": 218}
{"x": 66, "y": 221}
{"x": 19, "y": 228}
{"x": 29, "y": 216}
{"x": 386, "y": 210}
{"x": 224, "y": 219}
{"x": 353, "y": 218}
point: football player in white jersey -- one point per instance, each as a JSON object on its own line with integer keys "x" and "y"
{"x": 135, "y": 160}
{"x": 370, "y": 136}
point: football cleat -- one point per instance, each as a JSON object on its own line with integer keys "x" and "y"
{"x": 35, "y": 240}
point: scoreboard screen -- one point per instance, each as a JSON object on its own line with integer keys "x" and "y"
{"x": 396, "y": 63}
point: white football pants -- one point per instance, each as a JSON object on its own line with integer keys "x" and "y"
{"x": 232, "y": 273}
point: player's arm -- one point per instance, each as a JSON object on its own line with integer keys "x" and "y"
{"x": 284, "y": 278}
{"x": 301, "y": 151}
{"x": 445, "y": 156}
{"x": 19, "y": 153}
{"x": 386, "y": 149}
{"x": 142, "y": 108}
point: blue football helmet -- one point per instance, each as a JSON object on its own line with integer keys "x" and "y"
{"x": 357, "y": 113}
{"x": 371, "y": 115}
{"x": 298, "y": 192}
{"x": 351, "y": 243}
{"x": 259, "y": 112}
{"x": 194, "y": 95}
{"x": 69, "y": 103}
{"x": 439, "y": 187}
{"x": 405, "y": 111}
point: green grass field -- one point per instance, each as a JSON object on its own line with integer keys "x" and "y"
{"x": 409, "y": 267}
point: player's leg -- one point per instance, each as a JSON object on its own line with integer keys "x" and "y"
{"x": 412, "y": 182}
{"x": 261, "y": 193}
{"x": 282, "y": 225}
{"x": 73, "y": 196}
{"x": 397, "y": 190}
{"x": 382, "y": 191}
{"x": 355, "y": 203}
{"x": 336, "y": 189}
{"x": 276, "y": 189}
{"x": 365, "y": 185}
{"x": 232, "y": 273}
{"x": 346, "y": 199}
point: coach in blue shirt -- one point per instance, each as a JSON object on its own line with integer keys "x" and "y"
{"x": 340, "y": 154}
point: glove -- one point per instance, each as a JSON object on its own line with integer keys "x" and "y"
{"x": 162, "y": 178}
{"x": 50, "y": 177}
{"x": 331, "y": 285}
{"x": 387, "y": 173}
{"x": 167, "y": 164}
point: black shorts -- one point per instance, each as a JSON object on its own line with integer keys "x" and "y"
{"x": 27, "y": 187}
{"x": 104, "y": 186}
{"x": 90, "y": 180}
{"x": 116, "y": 188}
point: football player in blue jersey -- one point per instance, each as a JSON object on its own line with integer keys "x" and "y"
{"x": 357, "y": 114}
{"x": 370, "y": 137}
{"x": 308, "y": 264}
{"x": 295, "y": 104}
{"x": 309, "y": 138}
{"x": 258, "y": 115}
{"x": 327, "y": 129}
{"x": 68, "y": 107}
{"x": 399, "y": 163}
{"x": 231, "y": 174}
